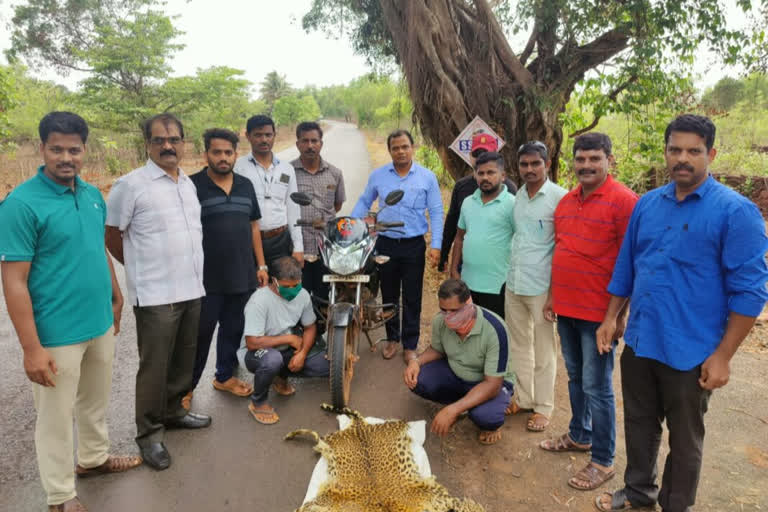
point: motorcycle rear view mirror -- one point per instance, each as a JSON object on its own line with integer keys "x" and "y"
{"x": 301, "y": 199}
{"x": 392, "y": 198}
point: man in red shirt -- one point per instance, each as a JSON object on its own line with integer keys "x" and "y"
{"x": 589, "y": 227}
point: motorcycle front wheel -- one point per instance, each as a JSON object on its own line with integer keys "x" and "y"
{"x": 343, "y": 360}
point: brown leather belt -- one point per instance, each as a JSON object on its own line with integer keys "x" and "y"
{"x": 271, "y": 233}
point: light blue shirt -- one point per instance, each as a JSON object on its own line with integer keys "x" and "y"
{"x": 422, "y": 194}
{"x": 530, "y": 262}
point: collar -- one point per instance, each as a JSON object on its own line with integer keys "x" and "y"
{"x": 708, "y": 184}
{"x": 58, "y": 188}
{"x": 542, "y": 191}
{"x": 275, "y": 161}
{"x": 410, "y": 171}
{"x": 156, "y": 172}
{"x": 297, "y": 164}
{"x": 478, "y": 193}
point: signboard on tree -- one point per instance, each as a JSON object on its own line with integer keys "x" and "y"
{"x": 462, "y": 145}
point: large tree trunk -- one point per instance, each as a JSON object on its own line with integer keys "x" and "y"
{"x": 459, "y": 64}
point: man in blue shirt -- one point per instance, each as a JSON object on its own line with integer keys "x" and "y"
{"x": 693, "y": 264}
{"x": 64, "y": 302}
{"x": 406, "y": 250}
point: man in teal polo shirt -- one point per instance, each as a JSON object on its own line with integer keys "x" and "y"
{"x": 532, "y": 337}
{"x": 467, "y": 366}
{"x": 486, "y": 226}
{"x": 63, "y": 299}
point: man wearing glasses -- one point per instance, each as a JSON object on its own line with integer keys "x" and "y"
{"x": 154, "y": 229}
{"x": 464, "y": 188}
{"x": 532, "y": 337}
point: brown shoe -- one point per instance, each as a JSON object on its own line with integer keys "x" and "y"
{"x": 72, "y": 505}
{"x": 113, "y": 464}
{"x": 389, "y": 350}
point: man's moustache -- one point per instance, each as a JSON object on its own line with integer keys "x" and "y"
{"x": 680, "y": 167}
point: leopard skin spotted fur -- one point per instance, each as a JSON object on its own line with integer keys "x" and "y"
{"x": 371, "y": 469}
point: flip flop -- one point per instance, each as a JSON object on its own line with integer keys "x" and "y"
{"x": 537, "y": 422}
{"x": 284, "y": 393}
{"x": 233, "y": 385}
{"x": 619, "y": 501}
{"x": 488, "y": 437}
{"x": 263, "y": 417}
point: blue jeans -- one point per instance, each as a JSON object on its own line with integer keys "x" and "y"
{"x": 438, "y": 383}
{"x": 590, "y": 387}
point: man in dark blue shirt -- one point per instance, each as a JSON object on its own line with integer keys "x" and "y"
{"x": 693, "y": 264}
{"x": 232, "y": 247}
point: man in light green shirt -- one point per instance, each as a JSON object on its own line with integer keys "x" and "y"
{"x": 485, "y": 229}
{"x": 532, "y": 340}
{"x": 467, "y": 366}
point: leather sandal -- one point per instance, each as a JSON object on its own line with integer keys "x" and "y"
{"x": 592, "y": 476}
{"x": 564, "y": 443}
{"x": 113, "y": 464}
{"x": 72, "y": 505}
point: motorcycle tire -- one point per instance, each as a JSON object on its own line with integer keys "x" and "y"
{"x": 341, "y": 368}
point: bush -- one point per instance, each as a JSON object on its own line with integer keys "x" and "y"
{"x": 429, "y": 158}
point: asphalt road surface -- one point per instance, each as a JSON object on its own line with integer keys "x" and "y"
{"x": 237, "y": 463}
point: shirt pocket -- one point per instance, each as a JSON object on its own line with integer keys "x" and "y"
{"x": 278, "y": 190}
{"x": 416, "y": 198}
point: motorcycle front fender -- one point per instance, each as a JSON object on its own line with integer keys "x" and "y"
{"x": 341, "y": 314}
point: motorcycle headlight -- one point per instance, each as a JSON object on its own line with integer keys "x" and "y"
{"x": 345, "y": 261}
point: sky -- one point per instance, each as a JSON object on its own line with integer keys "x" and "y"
{"x": 259, "y": 36}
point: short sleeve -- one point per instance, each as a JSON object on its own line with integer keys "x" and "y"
{"x": 494, "y": 367}
{"x": 18, "y": 231}
{"x": 462, "y": 224}
{"x": 307, "y": 313}
{"x": 255, "y": 316}
{"x": 341, "y": 194}
{"x": 255, "y": 210}
{"x": 436, "y": 342}
{"x": 120, "y": 205}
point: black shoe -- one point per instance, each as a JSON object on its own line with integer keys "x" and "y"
{"x": 191, "y": 420}
{"x": 156, "y": 456}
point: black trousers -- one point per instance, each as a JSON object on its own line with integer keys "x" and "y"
{"x": 404, "y": 271}
{"x": 654, "y": 392}
{"x": 167, "y": 339}
{"x": 490, "y": 301}
{"x": 312, "y": 280}
{"x": 277, "y": 246}
{"x": 227, "y": 311}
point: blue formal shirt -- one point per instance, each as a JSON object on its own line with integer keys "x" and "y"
{"x": 422, "y": 193}
{"x": 686, "y": 265}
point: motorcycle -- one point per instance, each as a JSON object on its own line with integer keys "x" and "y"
{"x": 347, "y": 249}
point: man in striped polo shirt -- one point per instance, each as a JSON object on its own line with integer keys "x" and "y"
{"x": 589, "y": 227}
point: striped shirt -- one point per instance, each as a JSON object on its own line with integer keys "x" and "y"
{"x": 326, "y": 188}
{"x": 588, "y": 236}
{"x": 162, "y": 235}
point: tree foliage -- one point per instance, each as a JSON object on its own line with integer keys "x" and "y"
{"x": 459, "y": 63}
{"x": 273, "y": 87}
{"x": 289, "y": 110}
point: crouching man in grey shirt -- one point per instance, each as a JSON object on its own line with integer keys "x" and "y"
{"x": 279, "y": 338}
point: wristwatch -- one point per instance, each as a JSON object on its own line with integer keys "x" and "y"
{"x": 263, "y": 267}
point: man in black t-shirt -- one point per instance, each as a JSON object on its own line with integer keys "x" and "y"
{"x": 232, "y": 250}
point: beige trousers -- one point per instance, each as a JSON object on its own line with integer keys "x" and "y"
{"x": 83, "y": 384}
{"x": 534, "y": 352}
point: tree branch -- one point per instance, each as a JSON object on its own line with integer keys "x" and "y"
{"x": 528, "y": 50}
{"x": 579, "y": 60}
{"x": 611, "y": 97}
{"x": 504, "y": 52}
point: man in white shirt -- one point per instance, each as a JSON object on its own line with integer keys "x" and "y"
{"x": 274, "y": 181}
{"x": 154, "y": 230}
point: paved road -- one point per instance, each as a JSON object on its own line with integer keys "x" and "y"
{"x": 236, "y": 464}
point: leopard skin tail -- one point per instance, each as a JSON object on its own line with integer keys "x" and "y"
{"x": 343, "y": 410}
{"x": 302, "y": 432}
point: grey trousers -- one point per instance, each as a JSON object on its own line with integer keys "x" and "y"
{"x": 167, "y": 339}
{"x": 654, "y": 392}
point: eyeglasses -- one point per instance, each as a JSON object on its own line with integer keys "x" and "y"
{"x": 535, "y": 143}
{"x": 160, "y": 141}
